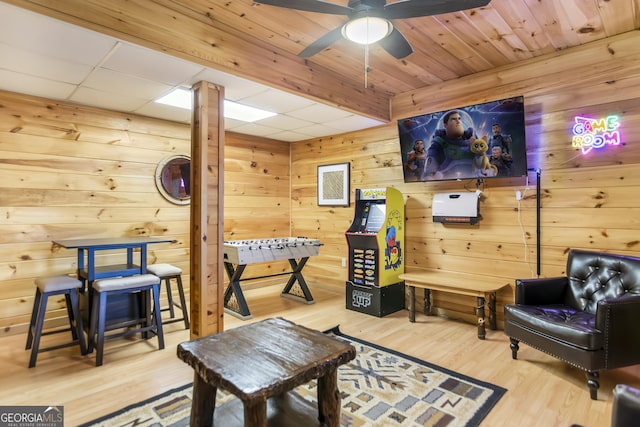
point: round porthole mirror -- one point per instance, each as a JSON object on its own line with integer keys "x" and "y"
{"x": 173, "y": 179}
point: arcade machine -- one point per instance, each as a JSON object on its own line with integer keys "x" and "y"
{"x": 376, "y": 254}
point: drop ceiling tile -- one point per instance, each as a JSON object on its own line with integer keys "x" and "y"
{"x": 40, "y": 34}
{"x": 256, "y": 130}
{"x": 107, "y": 100}
{"x": 289, "y": 136}
{"x": 316, "y": 130}
{"x": 165, "y": 112}
{"x": 277, "y": 101}
{"x": 319, "y": 113}
{"x": 36, "y": 86}
{"x": 150, "y": 65}
{"x": 47, "y": 67}
{"x": 354, "y": 122}
{"x": 284, "y": 122}
{"x": 111, "y": 81}
{"x": 231, "y": 124}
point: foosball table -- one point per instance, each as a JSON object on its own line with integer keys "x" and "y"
{"x": 240, "y": 253}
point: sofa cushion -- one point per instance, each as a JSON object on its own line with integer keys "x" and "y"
{"x": 559, "y": 322}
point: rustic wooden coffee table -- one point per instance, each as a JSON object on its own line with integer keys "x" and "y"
{"x": 262, "y": 360}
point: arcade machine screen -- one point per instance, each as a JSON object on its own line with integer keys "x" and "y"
{"x": 376, "y": 217}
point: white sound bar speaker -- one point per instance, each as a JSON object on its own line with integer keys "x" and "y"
{"x": 456, "y": 208}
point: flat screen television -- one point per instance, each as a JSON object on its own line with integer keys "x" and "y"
{"x": 473, "y": 142}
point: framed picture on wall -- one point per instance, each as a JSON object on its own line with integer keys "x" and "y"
{"x": 333, "y": 185}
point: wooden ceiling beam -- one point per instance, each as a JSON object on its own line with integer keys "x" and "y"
{"x": 170, "y": 27}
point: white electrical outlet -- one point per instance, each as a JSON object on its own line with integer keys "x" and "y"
{"x": 344, "y": 262}
{"x": 518, "y": 195}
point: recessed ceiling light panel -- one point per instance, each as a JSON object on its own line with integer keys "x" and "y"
{"x": 181, "y": 98}
{"x": 234, "y": 110}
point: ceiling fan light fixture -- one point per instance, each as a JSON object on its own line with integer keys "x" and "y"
{"x": 367, "y": 30}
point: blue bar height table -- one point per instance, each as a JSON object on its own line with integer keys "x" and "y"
{"x": 88, "y": 271}
{"x": 89, "y": 247}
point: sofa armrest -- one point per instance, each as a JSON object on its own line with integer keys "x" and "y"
{"x": 618, "y": 318}
{"x": 626, "y": 406}
{"x": 543, "y": 291}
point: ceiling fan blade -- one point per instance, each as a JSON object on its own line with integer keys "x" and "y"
{"x": 414, "y": 8}
{"x": 322, "y": 43}
{"x": 319, "y": 6}
{"x": 396, "y": 44}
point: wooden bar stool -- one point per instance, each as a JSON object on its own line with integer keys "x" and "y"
{"x": 167, "y": 272}
{"x": 46, "y": 287}
{"x": 102, "y": 289}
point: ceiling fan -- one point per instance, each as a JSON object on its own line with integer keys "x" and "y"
{"x": 390, "y": 38}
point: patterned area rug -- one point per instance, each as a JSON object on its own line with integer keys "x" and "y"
{"x": 380, "y": 387}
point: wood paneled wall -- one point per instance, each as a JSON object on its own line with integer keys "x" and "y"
{"x": 587, "y": 201}
{"x": 257, "y": 187}
{"x": 77, "y": 172}
{"x": 72, "y": 171}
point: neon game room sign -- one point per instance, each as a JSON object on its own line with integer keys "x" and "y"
{"x": 589, "y": 134}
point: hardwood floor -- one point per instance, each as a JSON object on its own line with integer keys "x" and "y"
{"x": 542, "y": 391}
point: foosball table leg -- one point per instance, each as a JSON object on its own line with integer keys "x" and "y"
{"x": 240, "y": 309}
{"x": 296, "y": 275}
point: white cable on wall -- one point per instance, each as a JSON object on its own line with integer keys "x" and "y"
{"x": 519, "y": 197}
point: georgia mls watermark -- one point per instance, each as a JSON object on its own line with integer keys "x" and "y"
{"x": 31, "y": 416}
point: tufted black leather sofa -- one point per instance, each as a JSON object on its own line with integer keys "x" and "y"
{"x": 589, "y": 318}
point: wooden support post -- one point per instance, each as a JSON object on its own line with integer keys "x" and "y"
{"x": 207, "y": 166}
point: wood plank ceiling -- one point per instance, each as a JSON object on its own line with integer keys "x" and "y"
{"x": 261, "y": 42}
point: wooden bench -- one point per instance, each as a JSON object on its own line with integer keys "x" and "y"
{"x": 458, "y": 283}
